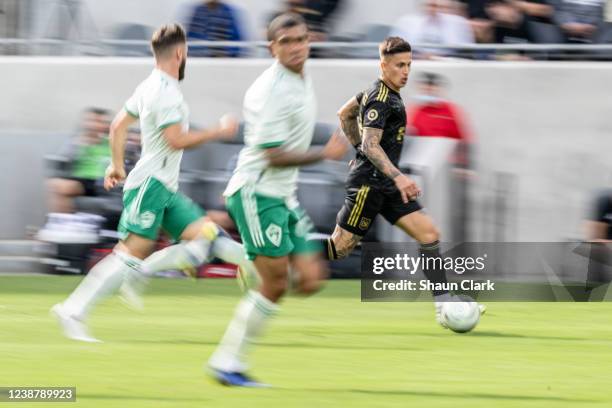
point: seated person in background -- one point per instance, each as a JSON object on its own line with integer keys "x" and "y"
{"x": 435, "y": 116}
{"x": 88, "y": 157}
{"x": 434, "y": 26}
{"x": 580, "y": 20}
{"x": 214, "y": 20}
{"x": 599, "y": 225}
{"x": 599, "y": 232}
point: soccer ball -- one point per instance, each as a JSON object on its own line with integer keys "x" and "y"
{"x": 461, "y": 315}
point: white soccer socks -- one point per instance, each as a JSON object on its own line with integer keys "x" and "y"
{"x": 101, "y": 281}
{"x": 249, "y": 321}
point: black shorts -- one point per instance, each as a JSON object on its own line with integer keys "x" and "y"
{"x": 364, "y": 201}
{"x": 89, "y": 186}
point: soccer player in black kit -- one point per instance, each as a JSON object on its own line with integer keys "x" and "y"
{"x": 374, "y": 121}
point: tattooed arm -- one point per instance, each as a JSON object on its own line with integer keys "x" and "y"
{"x": 377, "y": 156}
{"x": 371, "y": 148}
{"x": 348, "y": 121}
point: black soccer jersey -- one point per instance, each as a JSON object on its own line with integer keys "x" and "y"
{"x": 380, "y": 107}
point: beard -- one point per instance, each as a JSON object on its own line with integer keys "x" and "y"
{"x": 182, "y": 70}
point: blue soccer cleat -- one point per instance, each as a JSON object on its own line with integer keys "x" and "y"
{"x": 235, "y": 379}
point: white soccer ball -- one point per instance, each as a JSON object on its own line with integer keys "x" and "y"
{"x": 461, "y": 316}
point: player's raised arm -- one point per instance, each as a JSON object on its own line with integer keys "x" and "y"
{"x": 178, "y": 138}
{"x": 115, "y": 172}
{"x": 348, "y": 115}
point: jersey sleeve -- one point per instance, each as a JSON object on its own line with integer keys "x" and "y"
{"x": 131, "y": 106}
{"x": 169, "y": 115}
{"x": 274, "y": 124}
{"x": 375, "y": 113}
{"x": 359, "y": 97}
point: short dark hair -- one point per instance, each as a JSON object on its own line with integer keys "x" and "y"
{"x": 432, "y": 79}
{"x": 97, "y": 111}
{"x": 285, "y": 20}
{"x": 393, "y": 45}
{"x": 166, "y": 37}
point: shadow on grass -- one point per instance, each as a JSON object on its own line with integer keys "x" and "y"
{"x": 274, "y": 345}
{"x": 475, "y": 333}
{"x": 467, "y": 395}
{"x": 83, "y": 396}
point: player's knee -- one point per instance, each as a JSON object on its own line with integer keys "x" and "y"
{"x": 310, "y": 287}
{"x": 276, "y": 288}
{"x": 312, "y": 282}
{"x": 274, "y": 276}
{"x": 57, "y": 186}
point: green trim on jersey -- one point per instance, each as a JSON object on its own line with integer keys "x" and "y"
{"x": 270, "y": 145}
{"x": 129, "y": 112}
{"x": 165, "y": 125}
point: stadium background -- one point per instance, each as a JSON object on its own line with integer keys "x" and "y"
{"x": 543, "y": 146}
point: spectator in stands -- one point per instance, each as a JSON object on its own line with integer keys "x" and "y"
{"x": 87, "y": 157}
{"x": 214, "y": 20}
{"x": 510, "y": 23}
{"x": 318, "y": 17}
{"x": 435, "y": 116}
{"x": 536, "y": 10}
{"x": 506, "y": 21}
{"x": 317, "y": 14}
{"x": 580, "y": 20}
{"x": 482, "y": 26}
{"x": 435, "y": 25}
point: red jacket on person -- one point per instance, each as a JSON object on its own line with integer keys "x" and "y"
{"x": 440, "y": 119}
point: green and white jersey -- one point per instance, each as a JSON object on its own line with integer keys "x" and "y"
{"x": 158, "y": 102}
{"x": 279, "y": 110}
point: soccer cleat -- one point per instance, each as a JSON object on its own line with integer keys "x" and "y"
{"x": 72, "y": 328}
{"x": 187, "y": 266}
{"x": 235, "y": 379}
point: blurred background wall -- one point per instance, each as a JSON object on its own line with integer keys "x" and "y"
{"x": 542, "y": 129}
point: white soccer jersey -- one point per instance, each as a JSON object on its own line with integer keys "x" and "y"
{"x": 279, "y": 110}
{"x": 158, "y": 102}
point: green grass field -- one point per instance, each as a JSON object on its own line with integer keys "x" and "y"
{"x": 327, "y": 351}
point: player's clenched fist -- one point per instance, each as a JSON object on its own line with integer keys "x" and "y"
{"x": 113, "y": 176}
{"x": 228, "y": 126}
{"x": 407, "y": 187}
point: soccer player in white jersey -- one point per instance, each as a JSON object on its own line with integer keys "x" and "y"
{"x": 280, "y": 115}
{"x": 151, "y": 198}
